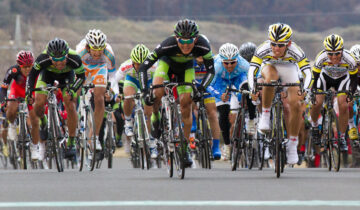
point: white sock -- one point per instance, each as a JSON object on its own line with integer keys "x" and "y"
{"x": 293, "y": 140}
{"x": 266, "y": 112}
{"x": 351, "y": 123}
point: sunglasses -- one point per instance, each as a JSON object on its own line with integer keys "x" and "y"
{"x": 26, "y": 66}
{"x": 280, "y": 45}
{"x": 186, "y": 41}
{"x": 97, "y": 48}
{"x": 58, "y": 59}
{"x": 333, "y": 53}
{"x": 229, "y": 62}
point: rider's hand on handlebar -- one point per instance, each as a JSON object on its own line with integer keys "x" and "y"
{"x": 225, "y": 97}
{"x": 254, "y": 97}
{"x": 148, "y": 98}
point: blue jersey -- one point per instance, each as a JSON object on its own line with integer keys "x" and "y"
{"x": 224, "y": 79}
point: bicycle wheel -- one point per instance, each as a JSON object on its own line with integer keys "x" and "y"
{"x": 250, "y": 150}
{"x": 180, "y": 148}
{"x": 165, "y": 138}
{"x": 334, "y": 144}
{"x": 13, "y": 154}
{"x": 276, "y": 138}
{"x": 206, "y": 140}
{"x": 88, "y": 147}
{"x": 135, "y": 152}
{"x": 109, "y": 145}
{"x": 235, "y": 156}
{"x": 54, "y": 134}
{"x": 22, "y": 143}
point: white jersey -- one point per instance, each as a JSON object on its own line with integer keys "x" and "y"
{"x": 108, "y": 58}
{"x": 293, "y": 55}
{"x": 127, "y": 68}
{"x": 346, "y": 66}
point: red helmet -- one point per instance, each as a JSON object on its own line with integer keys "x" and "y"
{"x": 25, "y": 58}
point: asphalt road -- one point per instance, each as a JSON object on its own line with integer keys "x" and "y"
{"x": 219, "y": 188}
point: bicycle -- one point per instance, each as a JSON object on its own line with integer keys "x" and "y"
{"x": 243, "y": 146}
{"x": 86, "y": 132}
{"x": 329, "y": 141}
{"x": 56, "y": 141}
{"x": 109, "y": 136}
{"x": 172, "y": 135}
{"x": 139, "y": 151}
{"x": 277, "y": 131}
{"x": 203, "y": 135}
{"x": 24, "y": 137}
{"x": 3, "y": 158}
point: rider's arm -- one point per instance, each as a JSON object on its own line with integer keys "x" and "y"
{"x": 316, "y": 69}
{"x": 110, "y": 57}
{"x": 75, "y": 62}
{"x": 253, "y": 70}
{"x": 41, "y": 62}
{"x": 9, "y": 76}
{"x": 210, "y": 72}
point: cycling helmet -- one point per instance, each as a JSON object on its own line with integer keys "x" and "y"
{"x": 247, "y": 50}
{"x": 228, "y": 51}
{"x": 280, "y": 32}
{"x": 139, "y": 53}
{"x": 96, "y": 38}
{"x": 355, "y": 50}
{"x": 333, "y": 42}
{"x": 186, "y": 29}
{"x": 25, "y": 58}
{"x": 57, "y": 48}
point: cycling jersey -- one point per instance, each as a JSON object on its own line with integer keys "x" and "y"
{"x": 224, "y": 79}
{"x": 200, "y": 72}
{"x": 13, "y": 73}
{"x": 173, "y": 61}
{"x": 129, "y": 75}
{"x": 339, "y": 76}
{"x": 97, "y": 71}
{"x": 49, "y": 73}
{"x": 293, "y": 55}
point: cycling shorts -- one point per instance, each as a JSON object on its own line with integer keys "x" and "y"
{"x": 288, "y": 73}
{"x": 134, "y": 82}
{"x": 325, "y": 82}
{"x": 184, "y": 72}
{"x": 17, "y": 91}
{"x": 47, "y": 77}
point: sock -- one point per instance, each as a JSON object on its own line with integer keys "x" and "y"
{"x": 71, "y": 141}
{"x": 127, "y": 117}
{"x": 155, "y": 116}
{"x": 266, "y": 112}
{"x": 294, "y": 140}
{"x": 314, "y": 124}
{"x": 342, "y": 135}
{"x": 351, "y": 123}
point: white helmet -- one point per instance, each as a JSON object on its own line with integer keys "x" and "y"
{"x": 228, "y": 51}
{"x": 96, "y": 38}
{"x": 355, "y": 50}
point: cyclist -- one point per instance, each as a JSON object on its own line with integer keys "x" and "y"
{"x": 17, "y": 73}
{"x": 280, "y": 58}
{"x": 246, "y": 51}
{"x": 175, "y": 55}
{"x": 336, "y": 68}
{"x": 129, "y": 73}
{"x": 230, "y": 71}
{"x": 353, "y": 134}
{"x": 56, "y": 62}
{"x": 209, "y": 101}
{"x": 99, "y": 63}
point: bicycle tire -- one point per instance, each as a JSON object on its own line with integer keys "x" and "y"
{"x": 13, "y": 156}
{"x": 250, "y": 155}
{"x": 334, "y": 144}
{"x": 54, "y": 133}
{"x": 22, "y": 138}
{"x": 109, "y": 145}
{"x": 208, "y": 138}
{"x": 236, "y": 140}
{"x": 180, "y": 149}
{"x": 170, "y": 164}
{"x": 88, "y": 140}
{"x": 276, "y": 138}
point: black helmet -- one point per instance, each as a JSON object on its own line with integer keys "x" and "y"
{"x": 186, "y": 29}
{"x": 247, "y": 50}
{"x": 57, "y": 48}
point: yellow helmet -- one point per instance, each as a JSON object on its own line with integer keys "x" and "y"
{"x": 280, "y": 32}
{"x": 333, "y": 42}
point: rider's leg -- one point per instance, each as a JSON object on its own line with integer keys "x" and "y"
{"x": 11, "y": 112}
{"x": 35, "y": 115}
{"x": 353, "y": 135}
{"x": 343, "y": 119}
{"x": 128, "y": 109}
{"x": 215, "y": 128}
{"x": 99, "y": 101}
{"x": 269, "y": 73}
